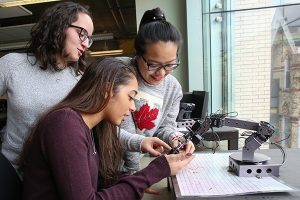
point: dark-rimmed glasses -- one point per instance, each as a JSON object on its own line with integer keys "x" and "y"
{"x": 158, "y": 66}
{"x": 83, "y": 35}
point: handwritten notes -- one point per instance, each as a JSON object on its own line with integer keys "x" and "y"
{"x": 207, "y": 175}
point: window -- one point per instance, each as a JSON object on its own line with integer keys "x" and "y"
{"x": 251, "y": 60}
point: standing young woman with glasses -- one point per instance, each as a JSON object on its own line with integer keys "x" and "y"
{"x": 157, "y": 103}
{"x": 35, "y": 81}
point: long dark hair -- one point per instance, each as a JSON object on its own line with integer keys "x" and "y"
{"x": 89, "y": 96}
{"x": 49, "y": 33}
{"x": 155, "y": 28}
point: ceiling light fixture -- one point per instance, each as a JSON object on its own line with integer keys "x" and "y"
{"x": 103, "y": 36}
{"x": 13, "y": 46}
{"x": 10, "y": 3}
{"x": 105, "y": 53}
{"x": 15, "y": 11}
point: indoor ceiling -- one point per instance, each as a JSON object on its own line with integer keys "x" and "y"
{"x": 114, "y": 23}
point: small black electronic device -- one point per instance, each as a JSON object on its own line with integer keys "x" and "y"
{"x": 185, "y": 111}
{"x": 193, "y": 105}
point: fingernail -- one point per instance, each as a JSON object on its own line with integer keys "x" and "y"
{"x": 188, "y": 154}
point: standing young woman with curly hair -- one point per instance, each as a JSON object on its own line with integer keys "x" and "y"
{"x": 35, "y": 81}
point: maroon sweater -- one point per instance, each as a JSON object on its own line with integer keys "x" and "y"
{"x": 63, "y": 164}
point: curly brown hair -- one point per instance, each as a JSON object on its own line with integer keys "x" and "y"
{"x": 49, "y": 33}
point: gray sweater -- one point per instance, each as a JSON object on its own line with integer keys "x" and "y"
{"x": 30, "y": 92}
{"x": 157, "y": 107}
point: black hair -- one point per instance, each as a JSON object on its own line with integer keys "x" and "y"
{"x": 154, "y": 28}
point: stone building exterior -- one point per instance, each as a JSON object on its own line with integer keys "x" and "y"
{"x": 285, "y": 96}
{"x": 266, "y": 63}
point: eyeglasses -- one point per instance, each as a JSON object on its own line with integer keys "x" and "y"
{"x": 158, "y": 66}
{"x": 83, "y": 35}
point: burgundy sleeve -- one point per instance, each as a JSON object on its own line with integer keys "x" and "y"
{"x": 65, "y": 146}
{"x": 133, "y": 186}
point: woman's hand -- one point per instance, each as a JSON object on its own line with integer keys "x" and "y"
{"x": 189, "y": 147}
{"x": 176, "y": 138}
{"x": 151, "y": 191}
{"x": 178, "y": 162}
{"x": 154, "y": 146}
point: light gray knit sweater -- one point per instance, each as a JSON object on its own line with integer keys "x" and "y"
{"x": 30, "y": 92}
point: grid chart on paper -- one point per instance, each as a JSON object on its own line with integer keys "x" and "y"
{"x": 207, "y": 175}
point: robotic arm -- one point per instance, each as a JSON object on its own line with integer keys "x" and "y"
{"x": 247, "y": 162}
{"x": 261, "y": 133}
{"x": 194, "y": 134}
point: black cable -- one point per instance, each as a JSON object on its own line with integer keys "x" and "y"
{"x": 217, "y": 140}
{"x": 218, "y": 116}
{"x": 283, "y": 152}
{"x": 283, "y": 139}
{"x": 280, "y": 147}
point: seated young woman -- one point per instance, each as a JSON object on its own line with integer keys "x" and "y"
{"x": 74, "y": 150}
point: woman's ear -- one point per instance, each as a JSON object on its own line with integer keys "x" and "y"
{"x": 108, "y": 94}
{"x": 108, "y": 91}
